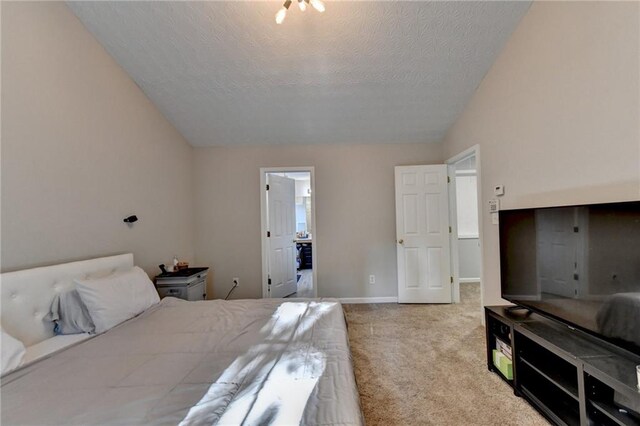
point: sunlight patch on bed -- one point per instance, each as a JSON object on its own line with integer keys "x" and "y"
{"x": 288, "y": 316}
{"x": 271, "y": 382}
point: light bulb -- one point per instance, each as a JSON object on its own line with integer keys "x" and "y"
{"x": 318, "y": 5}
{"x": 302, "y": 4}
{"x": 282, "y": 13}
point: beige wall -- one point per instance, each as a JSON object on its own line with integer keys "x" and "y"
{"x": 82, "y": 147}
{"x": 557, "y": 116}
{"x": 355, "y": 213}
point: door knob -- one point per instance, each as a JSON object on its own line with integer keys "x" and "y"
{"x": 401, "y": 241}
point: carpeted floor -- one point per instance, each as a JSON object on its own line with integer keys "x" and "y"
{"x": 426, "y": 364}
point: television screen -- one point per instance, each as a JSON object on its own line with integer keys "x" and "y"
{"x": 580, "y": 264}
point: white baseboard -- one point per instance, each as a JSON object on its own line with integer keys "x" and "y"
{"x": 391, "y": 299}
{"x": 469, "y": 280}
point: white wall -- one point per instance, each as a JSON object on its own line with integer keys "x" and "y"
{"x": 302, "y": 188}
{"x": 467, "y": 206}
{"x": 354, "y": 233}
{"x": 82, "y": 147}
{"x": 556, "y": 117}
{"x": 469, "y": 259}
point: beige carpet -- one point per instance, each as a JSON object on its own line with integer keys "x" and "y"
{"x": 426, "y": 364}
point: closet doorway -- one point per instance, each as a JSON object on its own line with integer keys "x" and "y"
{"x": 466, "y": 219}
{"x": 289, "y": 243}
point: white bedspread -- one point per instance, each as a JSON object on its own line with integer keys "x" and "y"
{"x": 52, "y": 345}
{"x": 238, "y": 362}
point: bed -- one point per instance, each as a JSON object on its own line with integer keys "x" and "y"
{"x": 207, "y": 362}
{"x": 613, "y": 318}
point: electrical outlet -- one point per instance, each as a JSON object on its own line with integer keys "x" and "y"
{"x": 236, "y": 281}
{"x": 372, "y": 279}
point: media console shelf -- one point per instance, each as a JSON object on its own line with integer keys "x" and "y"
{"x": 571, "y": 377}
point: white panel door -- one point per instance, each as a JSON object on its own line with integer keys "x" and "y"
{"x": 422, "y": 229}
{"x": 281, "y": 235}
{"x": 557, "y": 247}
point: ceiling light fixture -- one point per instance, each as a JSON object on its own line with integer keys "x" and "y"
{"x": 318, "y": 5}
{"x": 282, "y": 13}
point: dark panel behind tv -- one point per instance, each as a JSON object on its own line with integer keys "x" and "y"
{"x": 580, "y": 264}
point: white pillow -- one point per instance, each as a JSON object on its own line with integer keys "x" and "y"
{"x": 13, "y": 351}
{"x": 117, "y": 297}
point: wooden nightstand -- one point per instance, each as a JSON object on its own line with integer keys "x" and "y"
{"x": 187, "y": 284}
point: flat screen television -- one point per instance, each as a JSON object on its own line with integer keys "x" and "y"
{"x": 578, "y": 264}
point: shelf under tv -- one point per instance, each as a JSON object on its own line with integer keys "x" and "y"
{"x": 569, "y": 376}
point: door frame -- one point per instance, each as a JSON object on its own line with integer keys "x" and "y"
{"x": 263, "y": 223}
{"x": 453, "y": 220}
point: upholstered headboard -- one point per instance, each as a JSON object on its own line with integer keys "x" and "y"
{"x": 26, "y": 295}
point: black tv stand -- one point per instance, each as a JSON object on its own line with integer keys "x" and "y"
{"x": 570, "y": 377}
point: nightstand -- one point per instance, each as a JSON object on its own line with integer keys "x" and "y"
{"x": 187, "y": 284}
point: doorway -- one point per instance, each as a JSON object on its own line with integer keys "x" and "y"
{"x": 465, "y": 217}
{"x": 289, "y": 243}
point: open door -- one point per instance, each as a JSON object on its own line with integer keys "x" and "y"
{"x": 281, "y": 234}
{"x": 422, "y": 229}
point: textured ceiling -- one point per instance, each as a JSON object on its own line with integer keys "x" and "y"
{"x": 362, "y": 72}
